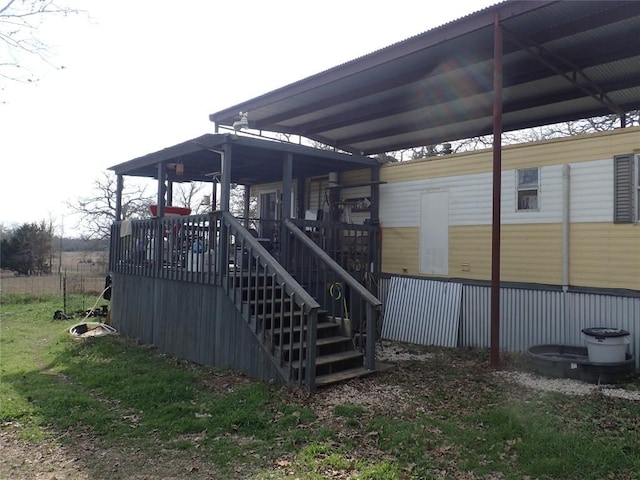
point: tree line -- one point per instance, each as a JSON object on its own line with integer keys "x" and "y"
{"x": 28, "y": 249}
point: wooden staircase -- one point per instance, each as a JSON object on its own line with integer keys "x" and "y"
{"x": 279, "y": 324}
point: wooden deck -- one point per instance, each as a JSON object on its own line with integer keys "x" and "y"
{"x": 248, "y": 312}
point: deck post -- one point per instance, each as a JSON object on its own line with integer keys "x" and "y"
{"x": 375, "y": 241}
{"x": 245, "y": 207}
{"x": 159, "y": 233}
{"x": 287, "y": 180}
{"x": 370, "y": 346}
{"x": 169, "y": 190}
{"x": 225, "y": 177}
{"x": 225, "y": 186}
{"x": 310, "y": 367}
{"x": 119, "y": 189}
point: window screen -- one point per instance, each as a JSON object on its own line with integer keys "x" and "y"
{"x": 528, "y": 188}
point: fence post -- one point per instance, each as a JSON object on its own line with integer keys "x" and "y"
{"x": 64, "y": 292}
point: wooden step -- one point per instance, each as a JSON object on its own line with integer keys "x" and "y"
{"x": 297, "y": 313}
{"x": 320, "y": 342}
{"x": 323, "y": 380}
{"x": 319, "y": 326}
{"x": 332, "y": 358}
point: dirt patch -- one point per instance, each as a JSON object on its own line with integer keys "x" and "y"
{"x": 79, "y": 456}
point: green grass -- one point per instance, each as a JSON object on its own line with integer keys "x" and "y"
{"x": 459, "y": 418}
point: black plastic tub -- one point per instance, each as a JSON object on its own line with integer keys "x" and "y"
{"x": 565, "y": 361}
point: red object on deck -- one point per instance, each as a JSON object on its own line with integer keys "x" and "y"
{"x": 170, "y": 211}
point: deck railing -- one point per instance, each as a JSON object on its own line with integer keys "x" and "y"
{"x": 173, "y": 248}
{"x": 336, "y": 289}
{"x": 216, "y": 249}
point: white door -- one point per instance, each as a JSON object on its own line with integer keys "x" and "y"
{"x": 434, "y": 233}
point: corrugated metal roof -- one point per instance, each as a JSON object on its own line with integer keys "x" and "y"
{"x": 438, "y": 86}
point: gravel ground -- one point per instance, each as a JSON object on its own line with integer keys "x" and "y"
{"x": 387, "y": 351}
{"x": 397, "y": 352}
{"x": 567, "y": 386}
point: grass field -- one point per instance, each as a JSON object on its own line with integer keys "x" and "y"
{"x": 78, "y": 278}
{"x": 108, "y": 408}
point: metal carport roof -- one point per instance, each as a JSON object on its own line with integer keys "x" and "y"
{"x": 562, "y": 60}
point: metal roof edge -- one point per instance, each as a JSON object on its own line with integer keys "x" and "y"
{"x": 211, "y": 141}
{"x": 469, "y": 23}
{"x": 207, "y": 140}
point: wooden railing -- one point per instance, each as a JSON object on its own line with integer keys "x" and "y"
{"x": 174, "y": 248}
{"x": 336, "y": 290}
{"x": 216, "y": 249}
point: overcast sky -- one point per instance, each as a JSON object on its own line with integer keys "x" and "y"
{"x": 142, "y": 75}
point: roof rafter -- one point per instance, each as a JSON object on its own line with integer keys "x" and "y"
{"x": 575, "y": 72}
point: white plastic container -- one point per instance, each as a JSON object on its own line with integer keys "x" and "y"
{"x": 198, "y": 262}
{"x": 606, "y": 345}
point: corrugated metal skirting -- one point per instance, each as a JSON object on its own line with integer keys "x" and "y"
{"x": 429, "y": 312}
{"x": 535, "y": 317}
{"x": 422, "y": 311}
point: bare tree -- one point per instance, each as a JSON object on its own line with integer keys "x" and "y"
{"x": 534, "y": 134}
{"x": 20, "y": 42}
{"x": 98, "y": 211}
{"x": 191, "y": 195}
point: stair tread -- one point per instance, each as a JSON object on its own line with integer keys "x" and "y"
{"x": 320, "y": 342}
{"x": 320, "y": 325}
{"x": 332, "y": 357}
{"x": 297, "y": 312}
{"x": 343, "y": 375}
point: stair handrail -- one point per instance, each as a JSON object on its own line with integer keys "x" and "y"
{"x": 373, "y": 304}
{"x": 292, "y": 285}
{"x": 333, "y": 265}
{"x": 298, "y": 294}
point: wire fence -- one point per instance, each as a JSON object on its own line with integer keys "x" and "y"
{"x": 78, "y": 289}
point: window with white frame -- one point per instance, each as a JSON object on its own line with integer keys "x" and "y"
{"x": 528, "y": 189}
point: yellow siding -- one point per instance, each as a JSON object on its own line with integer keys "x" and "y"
{"x": 605, "y": 255}
{"x": 400, "y": 251}
{"x": 315, "y": 194}
{"x": 354, "y": 177}
{"x": 470, "y": 252}
{"x": 265, "y": 187}
{"x": 529, "y": 253}
{"x": 602, "y": 255}
{"x": 532, "y": 253}
{"x": 582, "y": 148}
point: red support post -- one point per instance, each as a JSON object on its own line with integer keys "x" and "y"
{"x": 497, "y": 185}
